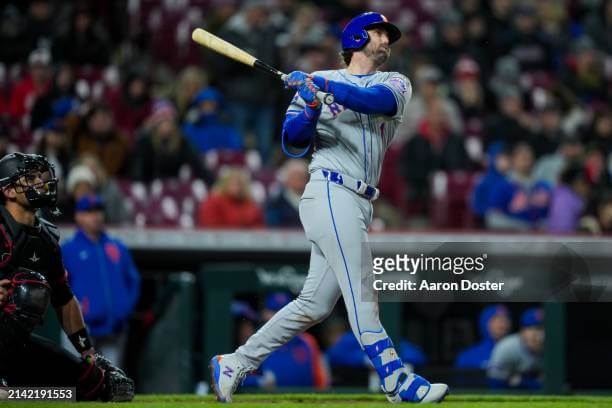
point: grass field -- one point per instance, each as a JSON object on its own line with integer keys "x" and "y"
{"x": 344, "y": 401}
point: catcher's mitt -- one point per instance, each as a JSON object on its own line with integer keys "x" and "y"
{"x": 118, "y": 386}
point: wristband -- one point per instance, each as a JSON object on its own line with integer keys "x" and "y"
{"x": 314, "y": 104}
{"x": 312, "y": 113}
{"x": 321, "y": 82}
{"x": 81, "y": 341}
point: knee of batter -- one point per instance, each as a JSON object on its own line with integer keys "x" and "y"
{"x": 315, "y": 311}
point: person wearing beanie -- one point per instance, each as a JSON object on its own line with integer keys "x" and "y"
{"x": 31, "y": 86}
{"x": 470, "y": 96}
{"x": 80, "y": 182}
{"x": 493, "y": 324}
{"x": 162, "y": 151}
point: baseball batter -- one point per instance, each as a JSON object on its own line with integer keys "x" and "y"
{"x": 349, "y": 139}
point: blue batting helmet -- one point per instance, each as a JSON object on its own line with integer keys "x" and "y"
{"x": 355, "y": 34}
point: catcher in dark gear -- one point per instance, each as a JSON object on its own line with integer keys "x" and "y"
{"x": 32, "y": 276}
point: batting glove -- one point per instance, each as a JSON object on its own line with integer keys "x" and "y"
{"x": 308, "y": 92}
{"x": 295, "y": 79}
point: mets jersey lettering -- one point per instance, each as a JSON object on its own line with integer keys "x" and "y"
{"x": 350, "y": 142}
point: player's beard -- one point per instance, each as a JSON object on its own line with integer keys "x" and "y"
{"x": 380, "y": 55}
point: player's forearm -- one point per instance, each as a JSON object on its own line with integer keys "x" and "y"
{"x": 371, "y": 100}
{"x": 70, "y": 317}
{"x": 299, "y": 128}
{"x": 72, "y": 322}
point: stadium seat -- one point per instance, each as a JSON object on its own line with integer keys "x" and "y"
{"x": 392, "y": 185}
{"x": 162, "y": 212}
{"x": 168, "y": 203}
{"x": 199, "y": 190}
{"x": 214, "y": 160}
{"x": 253, "y": 161}
{"x": 259, "y": 192}
{"x": 449, "y": 203}
{"x": 268, "y": 178}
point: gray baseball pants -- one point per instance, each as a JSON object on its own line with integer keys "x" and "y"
{"x": 336, "y": 222}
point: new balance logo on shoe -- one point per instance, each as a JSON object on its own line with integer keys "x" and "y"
{"x": 228, "y": 371}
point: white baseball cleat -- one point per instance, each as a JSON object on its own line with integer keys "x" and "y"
{"x": 226, "y": 374}
{"x": 414, "y": 388}
{"x": 437, "y": 393}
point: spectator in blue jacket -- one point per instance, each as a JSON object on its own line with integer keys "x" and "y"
{"x": 203, "y": 127}
{"x": 103, "y": 277}
{"x": 498, "y": 165}
{"x": 494, "y": 324}
{"x": 299, "y": 363}
{"x": 519, "y": 201}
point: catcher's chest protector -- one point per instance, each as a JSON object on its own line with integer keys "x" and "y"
{"x": 34, "y": 248}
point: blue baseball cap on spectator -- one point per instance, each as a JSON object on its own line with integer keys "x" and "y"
{"x": 207, "y": 94}
{"x": 90, "y": 202}
{"x": 277, "y": 300}
{"x": 532, "y": 317}
{"x": 242, "y": 309}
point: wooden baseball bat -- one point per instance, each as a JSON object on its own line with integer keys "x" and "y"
{"x": 222, "y": 47}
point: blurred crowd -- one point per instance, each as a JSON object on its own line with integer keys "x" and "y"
{"x": 509, "y": 127}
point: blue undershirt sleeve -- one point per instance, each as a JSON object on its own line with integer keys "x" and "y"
{"x": 377, "y": 99}
{"x": 298, "y": 130}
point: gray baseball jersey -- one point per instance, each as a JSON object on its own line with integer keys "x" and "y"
{"x": 354, "y": 143}
{"x": 336, "y": 221}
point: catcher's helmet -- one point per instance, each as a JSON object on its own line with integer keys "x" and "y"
{"x": 33, "y": 174}
{"x": 355, "y": 34}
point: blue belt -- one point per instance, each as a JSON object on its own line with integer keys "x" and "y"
{"x": 358, "y": 186}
